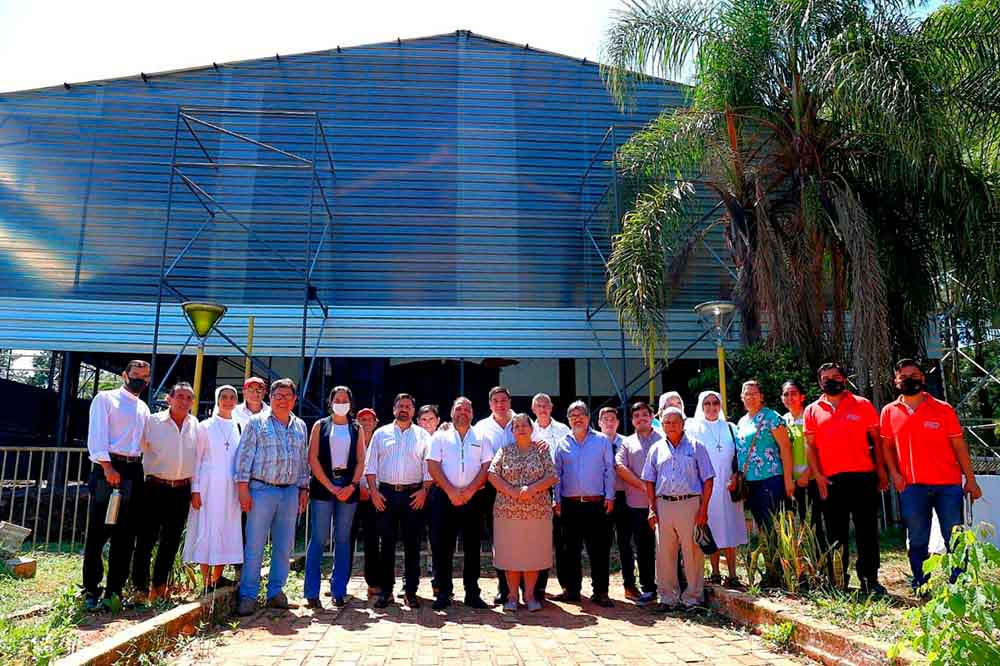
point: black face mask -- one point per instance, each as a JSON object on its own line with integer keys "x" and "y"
{"x": 136, "y": 385}
{"x": 911, "y": 386}
{"x": 833, "y": 387}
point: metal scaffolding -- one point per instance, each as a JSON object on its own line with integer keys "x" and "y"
{"x": 197, "y": 181}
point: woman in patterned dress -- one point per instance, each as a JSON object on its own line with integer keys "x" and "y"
{"x": 522, "y": 473}
{"x": 761, "y": 437}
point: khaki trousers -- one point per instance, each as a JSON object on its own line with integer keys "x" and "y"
{"x": 675, "y": 533}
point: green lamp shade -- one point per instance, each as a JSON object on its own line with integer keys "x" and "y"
{"x": 203, "y": 316}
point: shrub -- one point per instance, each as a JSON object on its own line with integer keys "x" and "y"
{"x": 788, "y": 556}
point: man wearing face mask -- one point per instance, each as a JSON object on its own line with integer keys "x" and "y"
{"x": 845, "y": 455}
{"x": 927, "y": 458}
{"x": 117, "y": 420}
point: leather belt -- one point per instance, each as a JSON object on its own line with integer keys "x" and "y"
{"x": 401, "y": 487}
{"x": 340, "y": 471}
{"x": 677, "y": 498}
{"x": 167, "y": 482}
{"x": 124, "y": 458}
{"x": 268, "y": 483}
{"x": 585, "y": 498}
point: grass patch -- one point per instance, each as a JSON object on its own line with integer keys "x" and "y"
{"x": 778, "y": 636}
{"x": 56, "y": 571}
{"x": 41, "y": 641}
{"x": 878, "y": 618}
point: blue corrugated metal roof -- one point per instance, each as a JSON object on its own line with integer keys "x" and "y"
{"x": 458, "y": 159}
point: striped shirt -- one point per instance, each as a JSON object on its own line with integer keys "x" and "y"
{"x": 273, "y": 452}
{"x": 398, "y": 456}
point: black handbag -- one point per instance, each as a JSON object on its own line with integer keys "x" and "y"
{"x": 741, "y": 490}
{"x": 703, "y": 537}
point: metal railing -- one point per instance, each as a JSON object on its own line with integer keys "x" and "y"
{"x": 45, "y": 490}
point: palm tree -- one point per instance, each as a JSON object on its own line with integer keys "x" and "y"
{"x": 853, "y": 147}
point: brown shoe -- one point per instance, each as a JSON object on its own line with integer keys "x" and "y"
{"x": 632, "y": 593}
{"x": 280, "y": 601}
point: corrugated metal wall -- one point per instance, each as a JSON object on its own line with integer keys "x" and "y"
{"x": 458, "y": 186}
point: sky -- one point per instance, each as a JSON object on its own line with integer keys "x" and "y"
{"x": 44, "y": 42}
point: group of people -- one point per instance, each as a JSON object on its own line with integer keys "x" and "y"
{"x": 545, "y": 489}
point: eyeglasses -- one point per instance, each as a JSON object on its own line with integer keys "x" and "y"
{"x": 711, "y": 403}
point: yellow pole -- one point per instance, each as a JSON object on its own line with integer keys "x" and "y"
{"x": 248, "y": 362}
{"x": 199, "y": 360}
{"x": 721, "y": 352}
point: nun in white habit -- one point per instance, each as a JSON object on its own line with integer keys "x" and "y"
{"x": 214, "y": 538}
{"x": 725, "y": 517}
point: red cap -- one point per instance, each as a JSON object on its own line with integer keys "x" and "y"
{"x": 367, "y": 410}
{"x": 254, "y": 380}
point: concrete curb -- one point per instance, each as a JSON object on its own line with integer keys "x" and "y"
{"x": 822, "y": 641}
{"x": 128, "y": 644}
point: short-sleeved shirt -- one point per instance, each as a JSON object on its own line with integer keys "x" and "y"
{"x": 923, "y": 440}
{"x": 398, "y": 456}
{"x": 616, "y": 444}
{"x": 797, "y": 435}
{"x": 461, "y": 458}
{"x": 840, "y": 435}
{"x": 678, "y": 470}
{"x": 498, "y": 437}
{"x": 632, "y": 455}
{"x": 766, "y": 459}
{"x": 551, "y": 435}
{"x": 522, "y": 468}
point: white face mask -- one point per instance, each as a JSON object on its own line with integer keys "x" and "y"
{"x": 341, "y": 408}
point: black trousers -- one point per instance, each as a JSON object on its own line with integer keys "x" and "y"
{"x": 122, "y": 534}
{"x": 447, "y": 522}
{"x": 586, "y": 524}
{"x": 164, "y": 514}
{"x": 807, "y": 501}
{"x": 854, "y": 496}
{"x": 621, "y": 523}
{"x": 364, "y": 520}
{"x": 645, "y": 548}
{"x": 397, "y": 520}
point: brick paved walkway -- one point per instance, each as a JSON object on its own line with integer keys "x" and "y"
{"x": 560, "y": 635}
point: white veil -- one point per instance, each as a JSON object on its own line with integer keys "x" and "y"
{"x": 219, "y": 391}
{"x": 699, "y": 410}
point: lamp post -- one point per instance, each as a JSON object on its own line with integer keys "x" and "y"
{"x": 202, "y": 316}
{"x": 718, "y": 315}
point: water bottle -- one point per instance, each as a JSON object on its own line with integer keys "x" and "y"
{"x": 114, "y": 503}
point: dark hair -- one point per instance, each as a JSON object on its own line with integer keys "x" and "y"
{"x": 135, "y": 363}
{"x": 606, "y": 410}
{"x": 428, "y": 409}
{"x": 403, "y": 396}
{"x": 284, "y": 382}
{"x": 337, "y": 389}
{"x": 184, "y": 386}
{"x": 907, "y": 362}
{"x": 641, "y": 404}
{"x": 498, "y": 389}
{"x": 794, "y": 383}
{"x": 832, "y": 365}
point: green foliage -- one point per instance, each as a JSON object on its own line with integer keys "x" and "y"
{"x": 787, "y": 556}
{"x": 772, "y": 367}
{"x": 778, "y": 635}
{"x": 42, "y": 642}
{"x": 960, "y": 624}
{"x": 853, "y": 611}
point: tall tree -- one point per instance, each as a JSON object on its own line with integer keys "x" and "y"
{"x": 853, "y": 147}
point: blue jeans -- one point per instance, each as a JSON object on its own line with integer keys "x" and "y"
{"x": 916, "y": 502}
{"x": 320, "y": 513}
{"x": 273, "y": 511}
{"x": 766, "y": 497}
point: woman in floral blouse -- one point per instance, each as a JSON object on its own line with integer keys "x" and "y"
{"x": 762, "y": 436}
{"x": 522, "y": 473}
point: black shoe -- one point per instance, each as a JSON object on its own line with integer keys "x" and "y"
{"x": 224, "y": 582}
{"x": 476, "y": 602}
{"x": 412, "y": 601}
{"x": 568, "y": 597}
{"x": 665, "y": 608}
{"x": 499, "y": 599}
{"x": 602, "y": 601}
{"x": 92, "y": 603}
{"x": 872, "y": 588}
{"x": 340, "y": 602}
{"x": 383, "y": 601}
{"x": 441, "y": 603}
{"x": 315, "y": 604}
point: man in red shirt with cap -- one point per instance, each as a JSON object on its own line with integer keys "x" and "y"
{"x": 927, "y": 459}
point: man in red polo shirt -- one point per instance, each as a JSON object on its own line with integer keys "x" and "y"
{"x": 927, "y": 458}
{"x": 841, "y": 431}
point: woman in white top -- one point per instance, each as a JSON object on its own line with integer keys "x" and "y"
{"x": 214, "y": 538}
{"x": 725, "y": 517}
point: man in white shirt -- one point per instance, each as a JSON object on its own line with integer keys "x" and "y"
{"x": 117, "y": 420}
{"x": 550, "y": 431}
{"x": 398, "y": 480}
{"x": 458, "y": 462}
{"x": 495, "y": 429}
{"x": 169, "y": 449}
{"x": 253, "y": 403}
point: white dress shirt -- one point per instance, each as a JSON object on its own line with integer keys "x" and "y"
{"x": 117, "y": 419}
{"x": 169, "y": 452}
{"x": 490, "y": 431}
{"x": 398, "y": 457}
{"x": 461, "y": 458}
{"x": 242, "y": 413}
{"x": 552, "y": 435}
